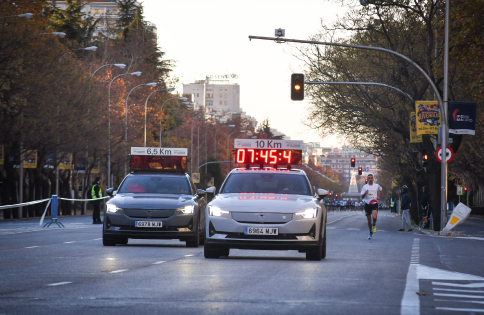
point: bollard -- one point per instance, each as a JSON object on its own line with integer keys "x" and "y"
{"x": 54, "y": 211}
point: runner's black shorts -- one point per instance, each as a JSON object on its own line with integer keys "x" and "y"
{"x": 370, "y": 208}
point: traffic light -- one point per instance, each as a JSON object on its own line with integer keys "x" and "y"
{"x": 297, "y": 86}
{"x": 353, "y": 162}
{"x": 330, "y": 194}
{"x": 366, "y": 181}
{"x": 425, "y": 158}
{"x": 360, "y": 171}
{"x": 336, "y": 195}
{"x": 465, "y": 188}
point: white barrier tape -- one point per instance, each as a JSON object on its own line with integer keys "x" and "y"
{"x": 83, "y": 199}
{"x": 24, "y": 204}
{"x": 45, "y": 211}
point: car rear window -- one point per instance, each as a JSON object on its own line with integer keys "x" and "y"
{"x": 267, "y": 183}
{"x": 155, "y": 185}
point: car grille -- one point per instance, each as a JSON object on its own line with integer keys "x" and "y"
{"x": 262, "y": 217}
{"x": 263, "y": 237}
{"x": 148, "y": 213}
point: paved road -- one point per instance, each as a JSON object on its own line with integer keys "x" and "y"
{"x": 68, "y": 271}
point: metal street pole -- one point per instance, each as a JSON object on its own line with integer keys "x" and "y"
{"x": 444, "y": 135}
{"x": 228, "y": 138}
{"x": 152, "y": 84}
{"x": 443, "y": 190}
{"x": 137, "y": 73}
{"x": 146, "y": 108}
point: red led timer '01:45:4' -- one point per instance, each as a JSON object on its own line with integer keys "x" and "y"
{"x": 268, "y": 156}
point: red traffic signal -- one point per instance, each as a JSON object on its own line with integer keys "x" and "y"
{"x": 465, "y": 188}
{"x": 360, "y": 171}
{"x": 366, "y": 181}
{"x": 353, "y": 162}
{"x": 330, "y": 194}
{"x": 336, "y": 195}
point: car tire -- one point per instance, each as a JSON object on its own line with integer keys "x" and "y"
{"x": 211, "y": 252}
{"x": 195, "y": 241}
{"x": 320, "y": 252}
{"x": 202, "y": 238}
{"x": 122, "y": 241}
{"x": 108, "y": 241}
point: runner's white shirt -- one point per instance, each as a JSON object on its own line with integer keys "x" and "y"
{"x": 372, "y": 192}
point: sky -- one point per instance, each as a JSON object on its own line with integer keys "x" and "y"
{"x": 212, "y": 37}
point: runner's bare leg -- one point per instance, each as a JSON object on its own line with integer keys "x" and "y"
{"x": 375, "y": 215}
{"x": 369, "y": 223}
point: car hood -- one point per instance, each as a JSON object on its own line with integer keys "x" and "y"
{"x": 151, "y": 201}
{"x": 263, "y": 202}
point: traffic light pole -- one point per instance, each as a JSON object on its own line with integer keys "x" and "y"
{"x": 443, "y": 107}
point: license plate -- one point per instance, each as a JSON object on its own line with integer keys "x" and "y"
{"x": 261, "y": 231}
{"x": 156, "y": 224}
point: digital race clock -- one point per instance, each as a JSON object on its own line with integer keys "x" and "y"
{"x": 268, "y": 151}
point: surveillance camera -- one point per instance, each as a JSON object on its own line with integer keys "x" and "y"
{"x": 280, "y": 32}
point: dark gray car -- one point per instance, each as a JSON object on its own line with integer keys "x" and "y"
{"x": 155, "y": 206}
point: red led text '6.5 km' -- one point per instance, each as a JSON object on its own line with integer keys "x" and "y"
{"x": 268, "y": 156}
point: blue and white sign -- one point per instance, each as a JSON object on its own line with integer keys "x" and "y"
{"x": 367, "y": 169}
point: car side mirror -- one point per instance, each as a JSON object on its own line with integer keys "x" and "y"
{"x": 322, "y": 193}
{"x": 211, "y": 190}
{"x": 110, "y": 192}
{"x": 200, "y": 193}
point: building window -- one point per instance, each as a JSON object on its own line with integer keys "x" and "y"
{"x": 198, "y": 95}
{"x": 225, "y": 103}
{"x": 220, "y": 95}
{"x": 220, "y": 102}
{"x": 225, "y": 95}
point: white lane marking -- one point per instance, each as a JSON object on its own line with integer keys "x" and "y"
{"x": 69, "y": 242}
{"x": 429, "y": 273}
{"x": 188, "y": 255}
{"x": 472, "y": 238}
{"x": 118, "y": 271}
{"x": 58, "y": 283}
{"x": 109, "y": 258}
{"x": 457, "y": 290}
{"x": 159, "y": 262}
{"x": 32, "y": 247}
{"x": 459, "y": 285}
{"x": 98, "y": 239}
{"x": 460, "y": 295}
{"x": 460, "y": 309}
{"x": 346, "y": 216}
{"x": 460, "y": 301}
{"x": 410, "y": 304}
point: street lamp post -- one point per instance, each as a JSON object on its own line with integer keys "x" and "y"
{"x": 137, "y": 73}
{"x": 215, "y": 140}
{"x": 443, "y": 106}
{"x": 183, "y": 99}
{"x": 151, "y": 84}
{"x": 146, "y": 107}
{"x": 119, "y": 65}
{"x": 23, "y": 15}
{"x": 90, "y": 48}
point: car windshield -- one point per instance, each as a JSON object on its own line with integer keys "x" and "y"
{"x": 155, "y": 185}
{"x": 272, "y": 183}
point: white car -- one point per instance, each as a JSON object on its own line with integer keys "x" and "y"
{"x": 269, "y": 209}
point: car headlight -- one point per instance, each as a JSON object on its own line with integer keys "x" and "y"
{"x": 308, "y": 213}
{"x": 113, "y": 208}
{"x": 216, "y": 212}
{"x": 187, "y": 209}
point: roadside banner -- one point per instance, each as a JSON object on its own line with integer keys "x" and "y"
{"x": 30, "y": 159}
{"x": 428, "y": 117}
{"x": 196, "y": 178}
{"x": 49, "y": 161}
{"x": 80, "y": 164}
{"x": 2, "y": 154}
{"x": 462, "y": 118}
{"x": 414, "y": 138}
{"x": 65, "y": 161}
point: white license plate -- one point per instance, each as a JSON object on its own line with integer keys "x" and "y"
{"x": 261, "y": 231}
{"x": 156, "y": 224}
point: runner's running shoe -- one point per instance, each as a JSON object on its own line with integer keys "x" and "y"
{"x": 370, "y": 236}
{"x": 374, "y": 229}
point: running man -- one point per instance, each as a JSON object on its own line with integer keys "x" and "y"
{"x": 370, "y": 193}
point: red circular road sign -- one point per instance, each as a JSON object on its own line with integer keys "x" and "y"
{"x": 449, "y": 154}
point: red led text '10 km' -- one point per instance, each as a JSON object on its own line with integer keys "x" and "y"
{"x": 268, "y": 156}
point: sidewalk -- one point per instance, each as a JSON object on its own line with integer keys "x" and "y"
{"x": 472, "y": 227}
